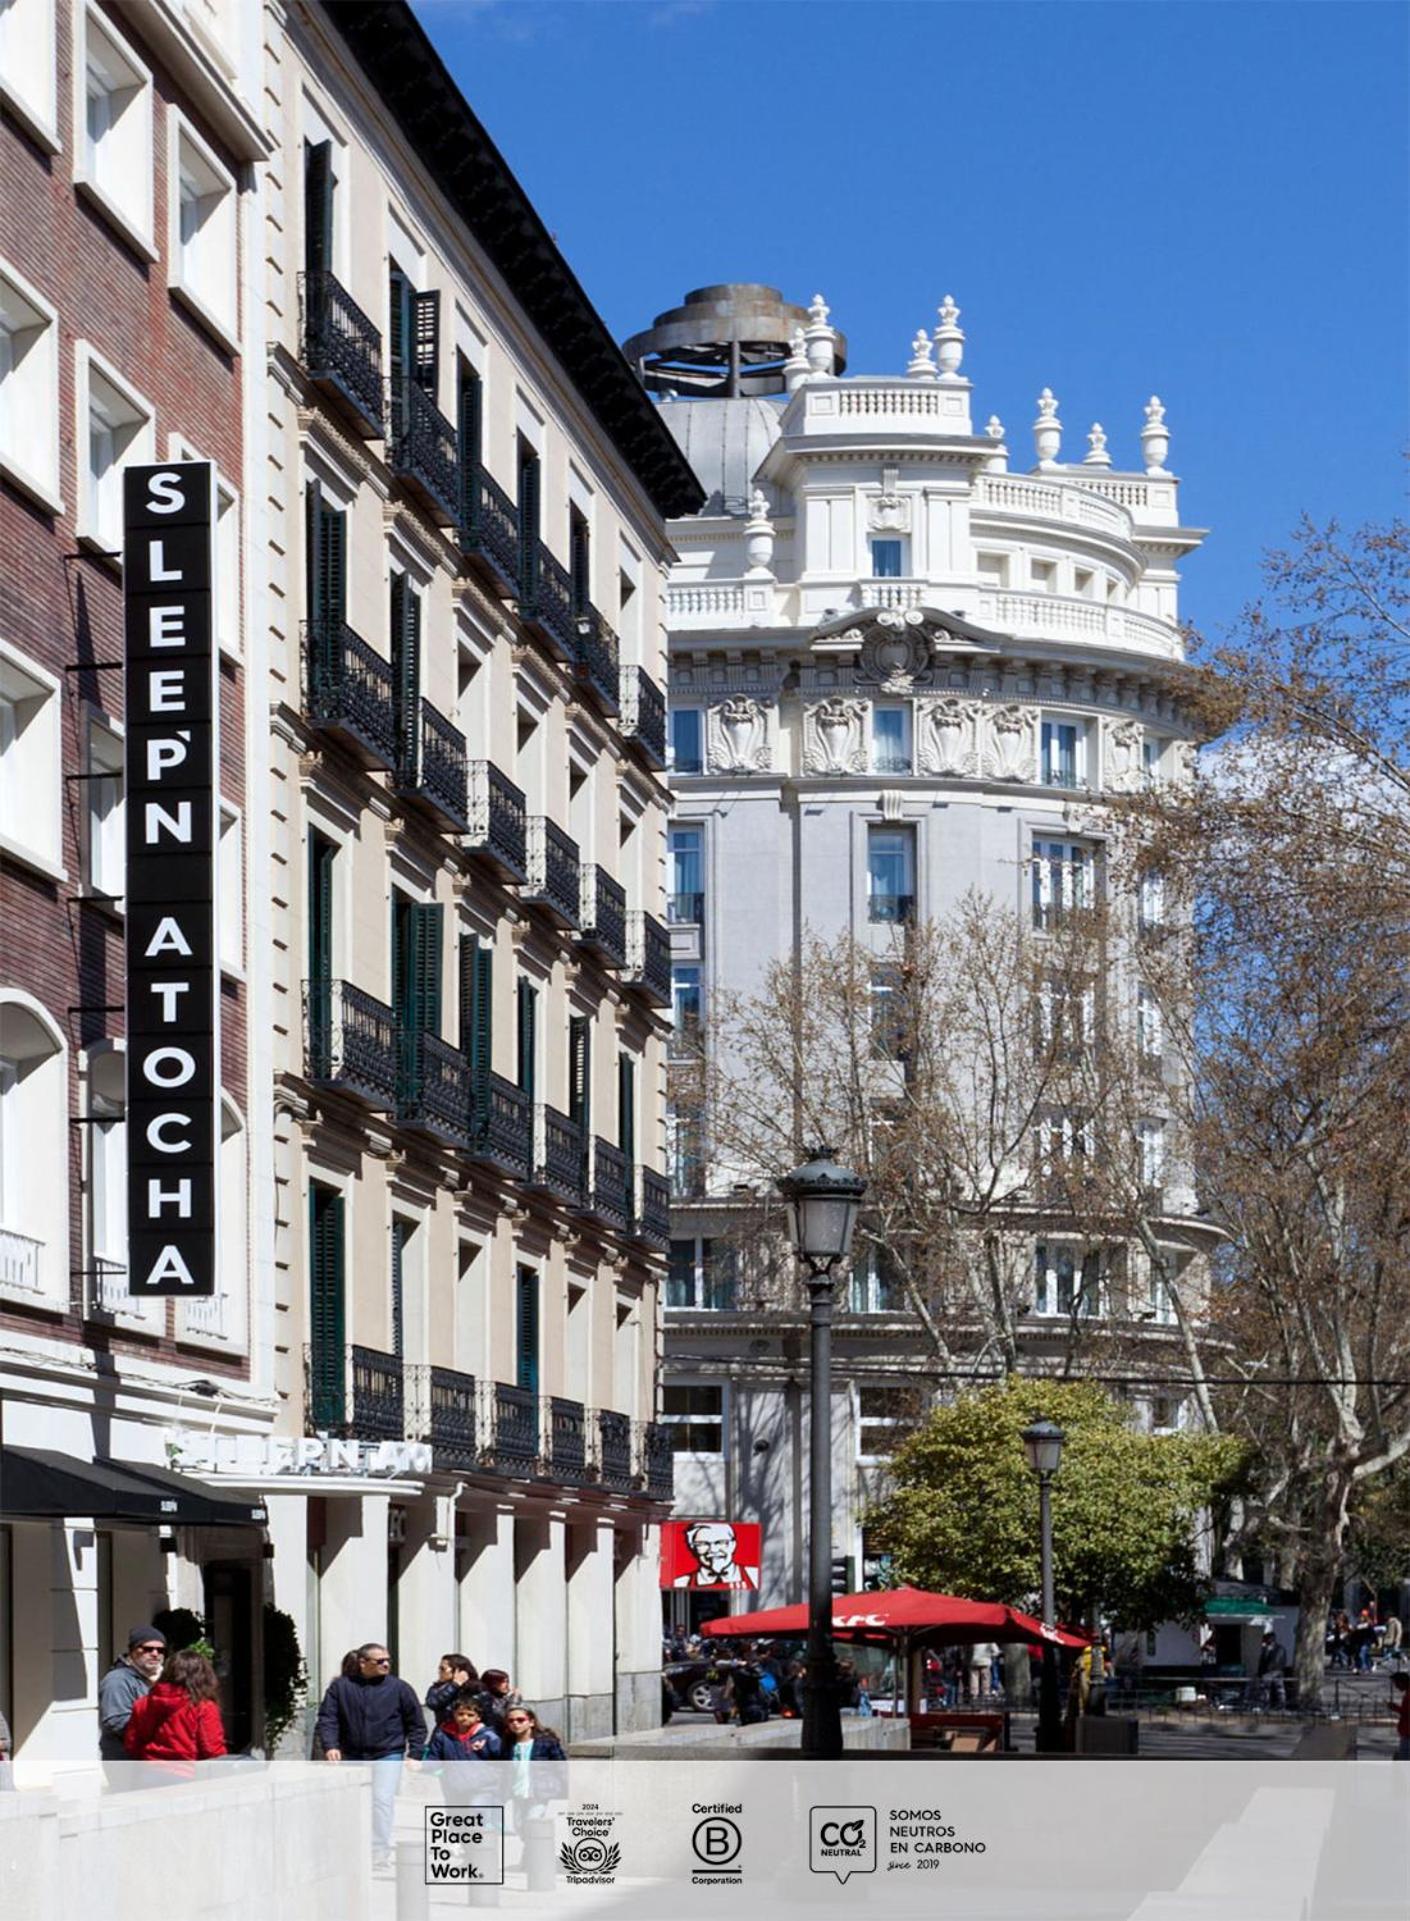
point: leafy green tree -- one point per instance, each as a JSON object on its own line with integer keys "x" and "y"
{"x": 1127, "y": 1506}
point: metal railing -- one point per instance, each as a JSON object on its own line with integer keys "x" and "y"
{"x": 898, "y": 909}
{"x": 498, "y": 821}
{"x": 511, "y": 1433}
{"x": 421, "y": 449}
{"x": 598, "y": 662}
{"x": 20, "y": 1261}
{"x": 658, "y": 1461}
{"x": 503, "y": 1126}
{"x": 567, "y": 1441}
{"x": 434, "y": 1094}
{"x": 653, "y": 1208}
{"x": 354, "y": 1392}
{"x": 643, "y": 720}
{"x": 489, "y": 525}
{"x": 610, "y": 1199}
{"x": 558, "y": 1155}
{"x": 603, "y": 915}
{"x": 452, "y": 1417}
{"x": 350, "y": 1041}
{"x": 439, "y": 776}
{"x": 648, "y": 957}
{"x": 546, "y": 598}
{"x": 685, "y": 910}
{"x": 342, "y": 350}
{"x": 553, "y": 880}
{"x": 348, "y": 690}
{"x": 615, "y": 1467}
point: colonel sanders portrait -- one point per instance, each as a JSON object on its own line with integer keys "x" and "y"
{"x": 713, "y": 1545}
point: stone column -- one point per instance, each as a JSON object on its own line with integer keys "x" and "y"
{"x": 590, "y": 1637}
{"x": 427, "y": 1598}
{"x": 637, "y": 1599}
{"x": 54, "y": 1635}
{"x": 541, "y": 1612}
{"x": 353, "y": 1592}
{"x": 485, "y": 1612}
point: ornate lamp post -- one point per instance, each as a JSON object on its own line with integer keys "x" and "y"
{"x": 1043, "y": 1444}
{"x": 823, "y": 1203}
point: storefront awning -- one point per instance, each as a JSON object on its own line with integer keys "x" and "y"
{"x": 38, "y": 1484}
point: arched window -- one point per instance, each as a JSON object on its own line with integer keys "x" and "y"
{"x": 34, "y": 1213}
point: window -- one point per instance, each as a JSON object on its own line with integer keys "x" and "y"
{"x": 114, "y": 108}
{"x": 993, "y": 571}
{"x": 29, "y": 390}
{"x": 1160, "y": 1302}
{"x": 106, "y": 846}
{"x": 34, "y": 1260}
{"x": 1150, "y": 1025}
{"x": 687, "y": 737}
{"x": 526, "y": 1331}
{"x": 1084, "y": 582}
{"x": 887, "y": 559}
{"x": 1150, "y": 1142}
{"x": 1067, "y": 1017}
{"x": 702, "y": 1273}
{"x": 686, "y": 1010}
{"x": 1063, "y": 879}
{"x": 890, "y": 873}
{"x": 28, "y": 68}
{"x": 219, "y": 1318}
{"x": 877, "y": 1287}
{"x": 30, "y": 771}
{"x": 1043, "y": 575}
{"x": 115, "y": 427}
{"x": 528, "y": 1015}
{"x": 1064, "y": 1284}
{"x": 695, "y": 1415}
{"x": 1065, "y": 1141}
{"x": 1167, "y": 1414}
{"x": 884, "y": 1417}
{"x": 107, "y": 1174}
{"x": 327, "y": 1323}
{"x": 1150, "y": 902}
{"x": 230, "y": 894}
{"x": 685, "y": 901}
{"x": 685, "y": 1155}
{"x": 202, "y": 235}
{"x": 890, "y": 740}
{"x": 1064, "y": 753}
{"x": 890, "y": 1015}
{"x": 227, "y": 553}
{"x": 1152, "y": 753}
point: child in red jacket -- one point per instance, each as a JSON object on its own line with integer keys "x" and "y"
{"x": 180, "y": 1719}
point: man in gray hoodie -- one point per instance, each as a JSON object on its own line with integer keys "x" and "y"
{"x": 126, "y": 1681}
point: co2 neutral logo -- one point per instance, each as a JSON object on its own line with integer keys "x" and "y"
{"x": 842, "y": 1841}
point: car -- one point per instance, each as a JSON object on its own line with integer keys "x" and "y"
{"x": 689, "y": 1684}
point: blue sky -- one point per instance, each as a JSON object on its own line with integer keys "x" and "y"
{"x": 1203, "y": 200}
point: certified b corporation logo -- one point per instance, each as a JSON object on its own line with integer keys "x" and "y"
{"x": 842, "y": 1841}
{"x": 716, "y": 1843}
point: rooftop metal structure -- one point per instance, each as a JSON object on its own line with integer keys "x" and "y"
{"x": 725, "y": 342}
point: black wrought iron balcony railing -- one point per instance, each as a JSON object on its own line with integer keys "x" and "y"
{"x": 350, "y": 1042}
{"x": 354, "y": 1392}
{"x": 897, "y": 909}
{"x": 452, "y": 1423}
{"x": 658, "y": 1461}
{"x": 489, "y": 527}
{"x": 348, "y": 691}
{"x": 643, "y": 721}
{"x": 437, "y": 774}
{"x": 498, "y": 824}
{"x": 422, "y": 450}
{"x": 342, "y": 350}
{"x": 568, "y": 1458}
{"x": 614, "y": 1451}
{"x": 685, "y": 910}
{"x": 546, "y": 598}
{"x": 434, "y": 1095}
{"x": 502, "y": 1126}
{"x": 510, "y": 1442}
{"x": 648, "y": 957}
{"x": 610, "y": 1196}
{"x": 553, "y": 881}
{"x": 598, "y": 658}
{"x": 558, "y": 1155}
{"x": 653, "y": 1208}
{"x": 603, "y": 915}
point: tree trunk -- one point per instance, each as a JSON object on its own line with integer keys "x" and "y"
{"x": 1317, "y": 1578}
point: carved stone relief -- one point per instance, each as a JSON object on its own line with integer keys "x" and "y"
{"x": 1121, "y": 755}
{"x": 1010, "y": 744}
{"x": 737, "y": 736}
{"x": 945, "y": 738}
{"x": 835, "y": 737}
{"x": 889, "y": 513}
{"x": 896, "y": 654}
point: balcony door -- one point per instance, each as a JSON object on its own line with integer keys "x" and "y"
{"x": 526, "y": 1331}
{"x": 318, "y": 206}
{"x": 326, "y": 547}
{"x": 416, "y": 980}
{"x": 327, "y": 1313}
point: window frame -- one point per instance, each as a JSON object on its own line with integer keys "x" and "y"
{"x": 697, "y": 714}
{"x": 905, "y": 762}
{"x": 1046, "y": 854}
{"x": 44, "y": 853}
{"x": 228, "y": 599}
{"x": 138, "y": 229}
{"x": 688, "y": 1419}
{"x": 111, "y": 733}
{"x": 140, "y": 450}
{"x": 1048, "y": 1282}
{"x": 46, "y": 486}
{"x": 905, "y": 835}
{"x": 40, "y": 117}
{"x": 223, "y": 324}
{"x": 1051, "y": 727}
{"x": 879, "y": 543}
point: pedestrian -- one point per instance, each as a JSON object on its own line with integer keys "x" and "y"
{"x": 126, "y": 1681}
{"x": 748, "y": 1695}
{"x": 464, "y": 1735}
{"x": 373, "y": 1716}
{"x": 178, "y": 1719}
{"x": 536, "y": 1780}
{"x": 1365, "y": 1635}
{"x": 455, "y": 1672}
{"x": 497, "y": 1694}
{"x": 1394, "y": 1633}
{"x": 527, "y": 1732}
{"x": 1400, "y": 1683}
{"x": 981, "y": 1661}
{"x": 1271, "y": 1689}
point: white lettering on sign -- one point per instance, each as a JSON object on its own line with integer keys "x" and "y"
{"x": 310, "y": 1454}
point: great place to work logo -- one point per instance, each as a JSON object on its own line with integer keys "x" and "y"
{"x": 465, "y": 1846}
{"x": 716, "y": 1843}
{"x": 842, "y": 1841}
{"x": 590, "y": 1856}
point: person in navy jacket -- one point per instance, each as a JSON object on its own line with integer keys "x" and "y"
{"x": 371, "y": 1715}
{"x": 464, "y": 1735}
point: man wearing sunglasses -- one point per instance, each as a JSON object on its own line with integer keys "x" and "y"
{"x": 375, "y": 1717}
{"x": 122, "y": 1687}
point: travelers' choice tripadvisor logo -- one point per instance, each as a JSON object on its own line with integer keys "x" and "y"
{"x": 590, "y": 1857}
{"x": 842, "y": 1841}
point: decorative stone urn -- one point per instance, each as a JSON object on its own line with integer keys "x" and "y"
{"x": 1155, "y": 437}
{"x": 949, "y": 340}
{"x": 1047, "y": 429}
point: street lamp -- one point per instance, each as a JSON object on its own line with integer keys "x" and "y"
{"x": 824, "y": 1200}
{"x": 1043, "y": 1444}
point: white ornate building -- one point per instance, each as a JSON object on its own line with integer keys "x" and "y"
{"x": 900, "y": 671}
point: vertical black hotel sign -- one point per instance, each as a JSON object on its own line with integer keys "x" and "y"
{"x": 173, "y": 979}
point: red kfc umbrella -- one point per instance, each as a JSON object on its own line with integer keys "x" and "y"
{"x": 898, "y": 1613}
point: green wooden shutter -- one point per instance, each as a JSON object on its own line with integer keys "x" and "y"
{"x": 427, "y": 924}
{"x": 470, "y": 426}
{"x": 580, "y": 1071}
{"x": 528, "y": 1036}
{"x": 527, "y": 1331}
{"x": 333, "y": 560}
{"x": 318, "y": 206}
{"x": 579, "y": 561}
{"x": 405, "y": 623}
{"x": 528, "y": 522}
{"x": 399, "y": 348}
{"x": 320, "y": 953}
{"x": 626, "y": 1108}
{"x": 401, "y": 1231}
{"x": 426, "y": 341}
{"x": 313, "y": 556}
{"x": 327, "y": 1319}
{"x": 476, "y": 1015}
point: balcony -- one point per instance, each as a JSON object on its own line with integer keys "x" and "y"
{"x": 658, "y": 1461}
{"x": 451, "y": 1421}
{"x": 342, "y": 351}
{"x": 685, "y": 910}
{"x": 489, "y": 529}
{"x": 546, "y": 600}
{"x": 511, "y": 1430}
{"x": 348, "y": 691}
{"x": 653, "y": 1211}
{"x": 553, "y": 881}
{"x": 350, "y": 1042}
{"x": 648, "y": 958}
{"x": 597, "y": 664}
{"x": 643, "y": 721}
{"x": 603, "y": 916}
{"x": 892, "y": 909}
{"x": 21, "y": 1261}
{"x": 421, "y": 451}
{"x": 498, "y": 826}
{"x": 502, "y": 1127}
{"x": 567, "y": 1442}
{"x": 558, "y": 1155}
{"x": 610, "y": 1197}
{"x": 435, "y": 1092}
{"x": 614, "y": 1441}
{"x": 356, "y": 1393}
{"x": 437, "y": 776}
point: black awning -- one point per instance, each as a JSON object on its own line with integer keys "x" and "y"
{"x": 38, "y": 1484}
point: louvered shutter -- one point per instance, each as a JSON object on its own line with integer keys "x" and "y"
{"x": 626, "y": 1108}
{"x": 405, "y": 623}
{"x": 426, "y": 962}
{"x": 580, "y": 1071}
{"x": 400, "y": 1231}
{"x": 579, "y": 561}
{"x": 320, "y": 953}
{"x": 426, "y": 341}
{"x": 470, "y": 426}
{"x": 527, "y": 1332}
{"x": 326, "y": 1305}
{"x": 318, "y": 206}
{"x": 399, "y": 348}
{"x": 333, "y": 562}
{"x": 528, "y": 1036}
{"x": 528, "y": 523}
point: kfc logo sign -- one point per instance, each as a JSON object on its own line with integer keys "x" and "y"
{"x": 173, "y": 997}
{"x": 710, "y": 1554}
